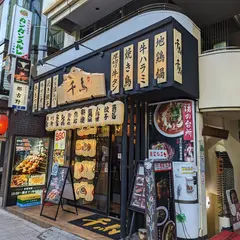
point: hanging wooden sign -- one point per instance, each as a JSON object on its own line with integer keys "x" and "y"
{"x": 48, "y": 93}
{"x": 54, "y": 91}
{"x": 177, "y": 46}
{"x": 143, "y": 63}
{"x": 35, "y": 97}
{"x": 79, "y": 85}
{"x": 128, "y": 54}
{"x": 160, "y": 57}
{"x": 86, "y": 147}
{"x": 115, "y": 72}
{"x": 41, "y": 96}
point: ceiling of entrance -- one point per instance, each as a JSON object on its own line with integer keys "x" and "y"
{"x": 209, "y": 11}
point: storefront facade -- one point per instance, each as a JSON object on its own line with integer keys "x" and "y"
{"x": 126, "y": 102}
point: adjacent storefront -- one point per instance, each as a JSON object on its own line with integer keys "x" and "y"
{"x": 106, "y": 112}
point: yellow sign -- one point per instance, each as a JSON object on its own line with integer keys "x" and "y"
{"x": 128, "y": 68}
{"x": 115, "y": 72}
{"x": 54, "y": 91}
{"x": 160, "y": 57}
{"x": 143, "y": 63}
{"x": 48, "y": 93}
{"x": 177, "y": 46}
{"x": 35, "y": 97}
{"x": 79, "y": 85}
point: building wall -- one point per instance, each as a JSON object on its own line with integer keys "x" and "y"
{"x": 232, "y": 145}
{"x": 20, "y": 123}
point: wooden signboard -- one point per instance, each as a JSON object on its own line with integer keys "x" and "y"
{"x": 60, "y": 187}
{"x": 79, "y": 85}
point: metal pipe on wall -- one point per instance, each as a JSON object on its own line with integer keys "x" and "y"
{"x": 124, "y": 173}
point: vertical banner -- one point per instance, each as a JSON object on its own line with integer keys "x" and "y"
{"x": 41, "y": 96}
{"x": 160, "y": 57}
{"x": 54, "y": 91}
{"x": 177, "y": 46}
{"x": 143, "y": 63}
{"x": 128, "y": 68}
{"x": 35, "y": 97}
{"x": 20, "y": 77}
{"x": 59, "y": 147}
{"x": 20, "y": 32}
{"x": 48, "y": 93}
{"x": 115, "y": 72}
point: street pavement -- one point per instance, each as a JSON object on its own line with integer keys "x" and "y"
{"x": 15, "y": 228}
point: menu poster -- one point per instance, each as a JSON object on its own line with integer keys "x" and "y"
{"x": 164, "y": 200}
{"x": 56, "y": 186}
{"x": 172, "y": 129}
{"x": 30, "y": 162}
{"x": 59, "y": 147}
{"x": 137, "y": 198}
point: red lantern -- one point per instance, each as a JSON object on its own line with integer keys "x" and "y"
{"x": 3, "y": 124}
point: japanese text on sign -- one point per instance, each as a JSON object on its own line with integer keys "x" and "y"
{"x": 54, "y": 91}
{"x": 41, "y": 95}
{"x": 160, "y": 57}
{"x": 162, "y": 167}
{"x": 35, "y": 96}
{"x": 48, "y": 93}
{"x": 158, "y": 154}
{"x": 143, "y": 63}
{"x": 20, "y": 95}
{"x": 115, "y": 72}
{"x": 177, "y": 46}
{"x": 128, "y": 68}
{"x": 188, "y": 121}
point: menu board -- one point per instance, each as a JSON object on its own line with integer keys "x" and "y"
{"x": 30, "y": 163}
{"x": 56, "y": 186}
{"x": 172, "y": 131}
{"x": 137, "y": 200}
{"x": 59, "y": 147}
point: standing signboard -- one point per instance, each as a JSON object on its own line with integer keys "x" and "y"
{"x": 59, "y": 147}
{"x": 20, "y": 32}
{"x": 20, "y": 78}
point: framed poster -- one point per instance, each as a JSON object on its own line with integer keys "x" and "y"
{"x": 137, "y": 197}
{"x": 30, "y": 164}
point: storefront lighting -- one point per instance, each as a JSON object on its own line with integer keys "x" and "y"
{"x": 77, "y": 44}
{"x": 208, "y": 202}
{"x": 3, "y": 124}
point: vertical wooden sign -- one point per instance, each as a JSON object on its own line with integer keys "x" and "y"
{"x": 115, "y": 72}
{"x": 177, "y": 46}
{"x": 35, "y": 97}
{"x": 48, "y": 93}
{"x": 143, "y": 63}
{"x": 54, "y": 91}
{"x": 128, "y": 67}
{"x": 160, "y": 57}
{"x": 41, "y": 95}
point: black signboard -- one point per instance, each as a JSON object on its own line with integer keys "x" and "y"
{"x": 22, "y": 71}
{"x": 137, "y": 197}
{"x": 60, "y": 187}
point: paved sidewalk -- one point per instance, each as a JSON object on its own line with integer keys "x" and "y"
{"x": 15, "y": 228}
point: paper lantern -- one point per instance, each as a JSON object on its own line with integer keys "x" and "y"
{"x": 47, "y": 122}
{"x": 117, "y": 113}
{"x": 91, "y": 116}
{"x": 57, "y": 120}
{"x": 83, "y": 116}
{"x": 86, "y": 147}
{"x": 70, "y": 118}
{"x": 108, "y": 113}
{"x": 3, "y": 124}
{"x": 52, "y": 122}
{"x": 90, "y": 190}
{"x": 99, "y": 116}
{"x": 86, "y": 131}
{"x": 63, "y": 120}
{"x": 76, "y": 118}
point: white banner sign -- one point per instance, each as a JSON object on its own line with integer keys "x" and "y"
{"x": 20, "y": 32}
{"x": 60, "y": 140}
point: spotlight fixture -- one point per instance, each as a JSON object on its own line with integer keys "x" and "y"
{"x": 77, "y": 44}
{"x": 42, "y": 63}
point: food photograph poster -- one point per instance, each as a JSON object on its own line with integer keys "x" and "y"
{"x": 30, "y": 162}
{"x": 172, "y": 129}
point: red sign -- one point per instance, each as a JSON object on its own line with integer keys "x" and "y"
{"x": 60, "y": 135}
{"x": 188, "y": 121}
{"x": 158, "y": 154}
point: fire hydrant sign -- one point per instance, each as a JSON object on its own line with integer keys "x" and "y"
{"x": 20, "y": 32}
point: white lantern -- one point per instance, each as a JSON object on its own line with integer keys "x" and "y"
{"x": 70, "y": 117}
{"x": 63, "y": 120}
{"x": 99, "y": 116}
{"x": 76, "y": 118}
{"x": 52, "y": 121}
{"x": 47, "y": 123}
{"x": 57, "y": 124}
{"x": 108, "y": 113}
{"x": 83, "y": 117}
{"x": 91, "y": 116}
{"x": 117, "y": 113}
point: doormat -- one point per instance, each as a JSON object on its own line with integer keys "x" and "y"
{"x": 105, "y": 226}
